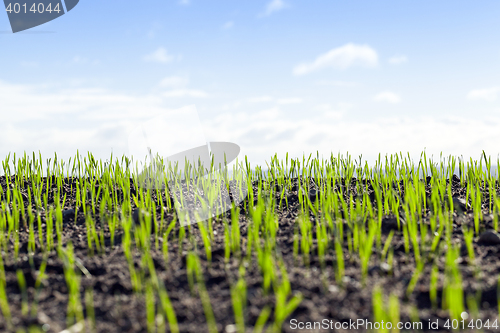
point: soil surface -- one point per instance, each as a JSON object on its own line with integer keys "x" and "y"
{"x": 118, "y": 309}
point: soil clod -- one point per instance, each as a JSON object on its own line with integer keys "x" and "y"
{"x": 489, "y": 237}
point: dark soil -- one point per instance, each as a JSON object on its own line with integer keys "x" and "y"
{"x": 119, "y": 309}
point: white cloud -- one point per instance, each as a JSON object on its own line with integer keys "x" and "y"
{"x": 337, "y": 83}
{"x": 274, "y": 6}
{"x": 328, "y": 132}
{"x": 228, "y": 25}
{"x": 79, "y": 60}
{"x": 293, "y": 100}
{"x": 36, "y": 102}
{"x": 341, "y": 58}
{"x": 488, "y": 94}
{"x": 65, "y": 118}
{"x": 280, "y": 101}
{"x": 39, "y": 117}
{"x": 260, "y": 99}
{"x": 178, "y": 88}
{"x": 185, "y": 93}
{"x": 339, "y": 107}
{"x": 174, "y": 82}
{"x": 160, "y": 55}
{"x": 184, "y": 2}
{"x": 388, "y": 96}
{"x": 398, "y": 59}
{"x": 335, "y": 113}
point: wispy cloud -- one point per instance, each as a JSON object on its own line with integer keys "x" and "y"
{"x": 293, "y": 100}
{"x": 174, "y": 82}
{"x": 186, "y": 93}
{"x": 94, "y": 119}
{"x": 387, "y": 96}
{"x": 487, "y": 94}
{"x": 262, "y": 134}
{"x": 28, "y": 102}
{"x": 79, "y": 60}
{"x": 228, "y": 25}
{"x": 184, "y": 2}
{"x": 273, "y": 6}
{"x": 29, "y": 64}
{"x": 160, "y": 55}
{"x": 398, "y": 59}
{"x": 280, "y": 101}
{"x": 337, "y": 83}
{"x": 340, "y": 58}
{"x": 178, "y": 88}
{"x": 260, "y": 99}
{"x": 155, "y": 27}
{"x": 334, "y": 113}
{"x": 68, "y": 118}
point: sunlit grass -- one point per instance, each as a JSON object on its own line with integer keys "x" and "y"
{"x": 340, "y": 207}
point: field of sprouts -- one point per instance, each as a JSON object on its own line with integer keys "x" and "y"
{"x": 300, "y": 245}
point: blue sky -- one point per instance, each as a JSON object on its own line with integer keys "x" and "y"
{"x": 274, "y": 76}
